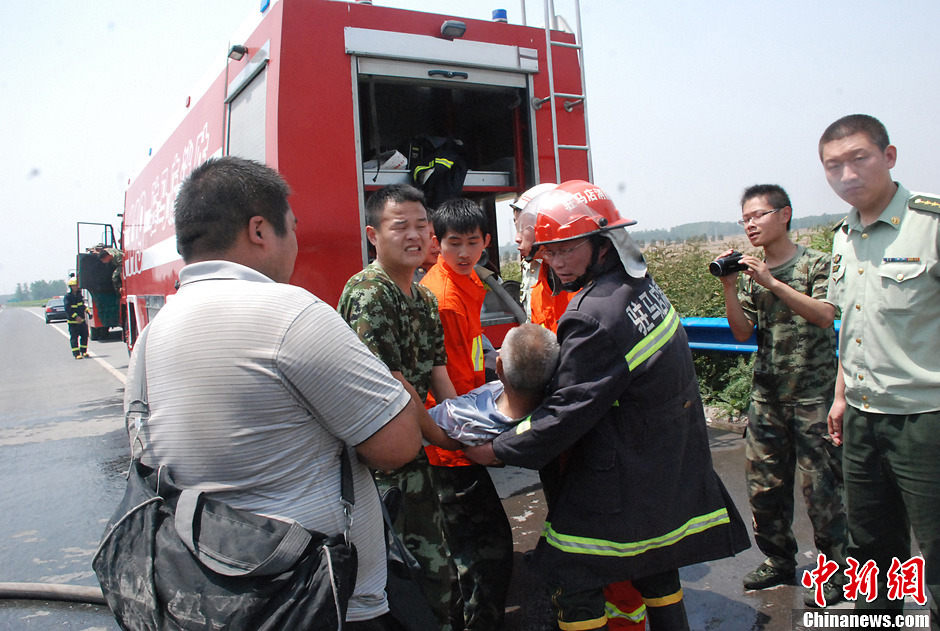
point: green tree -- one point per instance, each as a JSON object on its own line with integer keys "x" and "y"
{"x": 511, "y": 270}
{"x": 44, "y": 289}
{"x": 22, "y": 293}
{"x": 819, "y": 238}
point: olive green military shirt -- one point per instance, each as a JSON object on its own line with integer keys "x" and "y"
{"x": 886, "y": 279}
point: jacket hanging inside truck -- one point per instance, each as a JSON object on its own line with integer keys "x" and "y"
{"x": 438, "y": 168}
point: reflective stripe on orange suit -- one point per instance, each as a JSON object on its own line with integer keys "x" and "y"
{"x": 625, "y": 608}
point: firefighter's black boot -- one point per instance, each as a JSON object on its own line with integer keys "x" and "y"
{"x": 662, "y": 595}
{"x": 669, "y": 618}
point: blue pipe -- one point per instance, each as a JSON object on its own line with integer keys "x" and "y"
{"x": 714, "y": 334}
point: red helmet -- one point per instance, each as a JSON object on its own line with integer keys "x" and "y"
{"x": 573, "y": 210}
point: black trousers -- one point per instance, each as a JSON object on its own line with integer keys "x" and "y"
{"x": 78, "y": 336}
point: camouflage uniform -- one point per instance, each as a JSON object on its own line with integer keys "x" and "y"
{"x": 407, "y": 335}
{"x": 794, "y": 376}
{"x": 117, "y": 259}
{"x": 480, "y": 545}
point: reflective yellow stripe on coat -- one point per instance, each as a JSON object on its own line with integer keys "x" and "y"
{"x": 601, "y": 547}
{"x": 656, "y": 339}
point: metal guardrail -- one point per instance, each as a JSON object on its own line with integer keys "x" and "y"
{"x": 714, "y": 334}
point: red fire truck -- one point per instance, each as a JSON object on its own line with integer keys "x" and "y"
{"x": 325, "y": 90}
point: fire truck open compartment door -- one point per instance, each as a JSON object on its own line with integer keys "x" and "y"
{"x": 413, "y": 86}
{"x": 102, "y": 297}
{"x": 410, "y": 86}
{"x": 396, "y": 109}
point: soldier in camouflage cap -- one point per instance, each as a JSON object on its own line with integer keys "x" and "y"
{"x": 794, "y": 373}
{"x": 398, "y": 320}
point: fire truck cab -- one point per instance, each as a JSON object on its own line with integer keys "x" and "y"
{"x": 343, "y": 98}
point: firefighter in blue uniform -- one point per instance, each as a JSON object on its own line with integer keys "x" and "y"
{"x": 621, "y": 440}
{"x": 78, "y": 325}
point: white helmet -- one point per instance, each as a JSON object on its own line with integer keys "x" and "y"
{"x": 526, "y": 197}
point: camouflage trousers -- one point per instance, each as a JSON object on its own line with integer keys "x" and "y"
{"x": 420, "y": 524}
{"x": 782, "y": 439}
{"x": 480, "y": 541}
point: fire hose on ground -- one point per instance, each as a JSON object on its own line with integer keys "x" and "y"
{"x": 51, "y": 591}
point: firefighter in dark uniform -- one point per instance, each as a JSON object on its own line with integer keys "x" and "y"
{"x": 621, "y": 439}
{"x": 78, "y": 325}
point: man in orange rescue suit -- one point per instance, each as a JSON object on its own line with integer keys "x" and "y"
{"x": 635, "y": 496}
{"x": 475, "y": 525}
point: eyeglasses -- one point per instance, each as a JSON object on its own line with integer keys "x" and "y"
{"x": 757, "y": 217}
{"x": 561, "y": 254}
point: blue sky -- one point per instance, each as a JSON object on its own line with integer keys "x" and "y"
{"x": 689, "y": 101}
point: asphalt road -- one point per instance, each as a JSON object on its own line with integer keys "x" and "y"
{"x": 63, "y": 450}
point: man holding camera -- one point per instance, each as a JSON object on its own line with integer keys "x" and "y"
{"x": 794, "y": 373}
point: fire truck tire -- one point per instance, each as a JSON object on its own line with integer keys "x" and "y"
{"x": 95, "y": 333}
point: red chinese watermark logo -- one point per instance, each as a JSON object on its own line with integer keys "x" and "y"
{"x": 903, "y": 579}
{"x": 817, "y": 578}
{"x": 862, "y": 580}
{"x": 906, "y": 579}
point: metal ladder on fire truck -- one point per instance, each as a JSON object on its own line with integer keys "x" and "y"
{"x": 555, "y": 22}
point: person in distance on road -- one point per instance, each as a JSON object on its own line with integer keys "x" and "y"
{"x": 78, "y": 325}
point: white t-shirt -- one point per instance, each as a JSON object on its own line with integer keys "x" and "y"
{"x": 254, "y": 388}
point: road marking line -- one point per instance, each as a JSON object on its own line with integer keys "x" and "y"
{"x": 117, "y": 374}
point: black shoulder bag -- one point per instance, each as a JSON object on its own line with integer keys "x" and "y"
{"x": 174, "y": 559}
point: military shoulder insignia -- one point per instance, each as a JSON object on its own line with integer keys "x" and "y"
{"x": 924, "y": 202}
{"x": 839, "y": 223}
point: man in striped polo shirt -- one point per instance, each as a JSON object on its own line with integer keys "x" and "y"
{"x": 256, "y": 386}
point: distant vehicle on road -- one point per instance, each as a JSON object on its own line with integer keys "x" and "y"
{"x": 55, "y": 310}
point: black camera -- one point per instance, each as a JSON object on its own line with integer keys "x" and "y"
{"x": 727, "y": 265}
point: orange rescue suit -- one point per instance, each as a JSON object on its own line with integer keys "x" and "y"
{"x": 459, "y": 302}
{"x": 546, "y": 308}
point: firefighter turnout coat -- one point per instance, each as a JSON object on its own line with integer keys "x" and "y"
{"x": 622, "y": 446}
{"x": 74, "y": 307}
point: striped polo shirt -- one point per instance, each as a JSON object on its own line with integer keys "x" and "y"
{"x": 254, "y": 388}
